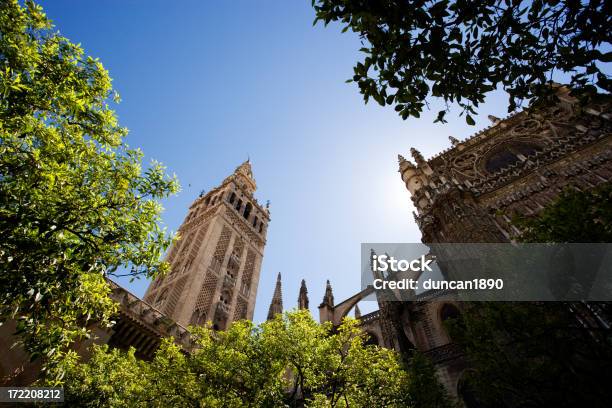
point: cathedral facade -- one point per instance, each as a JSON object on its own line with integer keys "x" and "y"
{"x": 469, "y": 194}
{"x": 518, "y": 165}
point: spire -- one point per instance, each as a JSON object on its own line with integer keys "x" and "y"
{"x": 418, "y": 157}
{"x": 454, "y": 141}
{"x": 494, "y": 119}
{"x": 375, "y": 272}
{"x": 421, "y": 164}
{"x": 404, "y": 164}
{"x": 357, "y": 312}
{"x": 276, "y": 306}
{"x": 245, "y": 168}
{"x": 328, "y": 299}
{"x": 243, "y": 177}
{"x": 303, "y": 296}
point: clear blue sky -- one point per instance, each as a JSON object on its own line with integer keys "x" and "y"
{"x": 207, "y": 83}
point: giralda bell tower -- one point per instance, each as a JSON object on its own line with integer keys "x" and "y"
{"x": 215, "y": 265}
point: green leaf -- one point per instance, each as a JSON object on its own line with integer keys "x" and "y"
{"x": 89, "y": 208}
{"x": 423, "y": 43}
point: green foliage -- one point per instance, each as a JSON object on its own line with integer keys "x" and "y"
{"x": 574, "y": 217}
{"x": 111, "y": 377}
{"x": 461, "y": 50}
{"x": 540, "y": 354}
{"x": 289, "y": 361}
{"x": 425, "y": 390}
{"x": 335, "y": 369}
{"x": 537, "y": 355}
{"x": 75, "y": 203}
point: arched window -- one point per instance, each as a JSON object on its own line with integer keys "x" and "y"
{"x": 232, "y": 198}
{"x": 238, "y": 205}
{"x": 208, "y": 200}
{"x": 236, "y": 252}
{"x": 449, "y": 311}
{"x": 247, "y": 211}
{"x": 214, "y": 200}
{"x": 198, "y": 317}
{"x": 255, "y": 220}
{"x": 509, "y": 154}
{"x": 232, "y": 269}
{"x": 260, "y": 227}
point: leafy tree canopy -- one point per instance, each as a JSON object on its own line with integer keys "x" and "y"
{"x": 576, "y": 216}
{"x": 288, "y": 361}
{"x": 541, "y": 354}
{"x": 425, "y": 389}
{"x": 75, "y": 202}
{"x": 534, "y": 354}
{"x": 461, "y": 50}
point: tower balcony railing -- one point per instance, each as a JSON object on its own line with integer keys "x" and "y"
{"x": 369, "y": 317}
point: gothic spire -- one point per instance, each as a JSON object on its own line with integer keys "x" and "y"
{"x": 245, "y": 168}
{"x": 418, "y": 157}
{"x": 404, "y": 164}
{"x": 276, "y": 306}
{"x": 243, "y": 177}
{"x": 328, "y": 299}
{"x": 303, "y": 297}
{"x": 494, "y": 119}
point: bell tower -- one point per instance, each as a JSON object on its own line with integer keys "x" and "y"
{"x": 215, "y": 265}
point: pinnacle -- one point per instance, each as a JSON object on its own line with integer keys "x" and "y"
{"x": 276, "y": 305}
{"x": 418, "y": 157}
